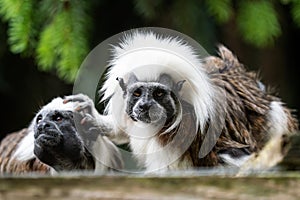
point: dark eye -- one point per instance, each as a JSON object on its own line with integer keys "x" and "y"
{"x": 57, "y": 117}
{"x": 159, "y": 93}
{"x": 39, "y": 118}
{"x": 137, "y": 93}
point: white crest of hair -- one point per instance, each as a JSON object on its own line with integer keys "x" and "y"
{"x": 148, "y": 55}
{"x": 25, "y": 148}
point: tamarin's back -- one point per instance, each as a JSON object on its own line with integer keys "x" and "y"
{"x": 8, "y": 165}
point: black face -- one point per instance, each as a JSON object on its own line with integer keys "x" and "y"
{"x": 150, "y": 102}
{"x": 56, "y": 140}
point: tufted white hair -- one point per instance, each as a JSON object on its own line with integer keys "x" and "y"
{"x": 148, "y": 55}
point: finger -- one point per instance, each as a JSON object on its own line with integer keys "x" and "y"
{"x": 95, "y": 131}
{"x": 73, "y": 99}
{"x": 83, "y": 121}
{"x": 87, "y": 118}
{"x": 84, "y": 106}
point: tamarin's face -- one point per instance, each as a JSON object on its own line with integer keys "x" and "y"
{"x": 150, "y": 102}
{"x": 57, "y": 142}
{"x": 52, "y": 127}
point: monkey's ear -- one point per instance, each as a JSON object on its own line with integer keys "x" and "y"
{"x": 132, "y": 79}
{"x": 122, "y": 84}
{"x": 179, "y": 85}
{"x": 166, "y": 80}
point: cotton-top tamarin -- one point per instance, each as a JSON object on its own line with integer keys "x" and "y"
{"x": 56, "y": 141}
{"x": 181, "y": 112}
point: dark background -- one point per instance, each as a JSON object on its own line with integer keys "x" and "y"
{"x": 23, "y": 88}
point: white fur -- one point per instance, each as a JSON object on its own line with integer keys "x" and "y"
{"x": 148, "y": 55}
{"x": 234, "y": 162}
{"x": 156, "y": 157}
{"x": 25, "y": 148}
{"x": 277, "y": 119}
{"x": 106, "y": 155}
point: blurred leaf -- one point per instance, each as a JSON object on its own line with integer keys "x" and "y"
{"x": 10, "y": 8}
{"x": 220, "y": 9}
{"x": 258, "y": 22}
{"x": 55, "y": 30}
{"x": 285, "y": 1}
{"x": 296, "y": 11}
{"x": 148, "y": 8}
{"x": 63, "y": 43}
{"x": 47, "y": 51}
{"x": 189, "y": 17}
{"x": 19, "y": 14}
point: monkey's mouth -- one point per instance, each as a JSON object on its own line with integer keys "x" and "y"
{"x": 140, "y": 116}
{"x": 147, "y": 117}
{"x": 48, "y": 138}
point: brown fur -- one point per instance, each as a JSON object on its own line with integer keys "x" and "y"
{"x": 8, "y": 165}
{"x": 246, "y": 107}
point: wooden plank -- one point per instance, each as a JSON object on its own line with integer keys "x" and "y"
{"x": 136, "y": 187}
{"x": 203, "y": 184}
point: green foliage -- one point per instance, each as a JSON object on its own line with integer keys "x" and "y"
{"x": 10, "y": 8}
{"x": 186, "y": 16}
{"x": 19, "y": 14}
{"x": 296, "y": 11}
{"x": 148, "y": 8}
{"x": 53, "y": 31}
{"x": 258, "y": 22}
{"x": 220, "y": 9}
{"x": 189, "y": 16}
{"x": 63, "y": 42}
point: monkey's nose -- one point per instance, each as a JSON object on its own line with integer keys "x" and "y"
{"x": 145, "y": 106}
{"x": 43, "y": 126}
